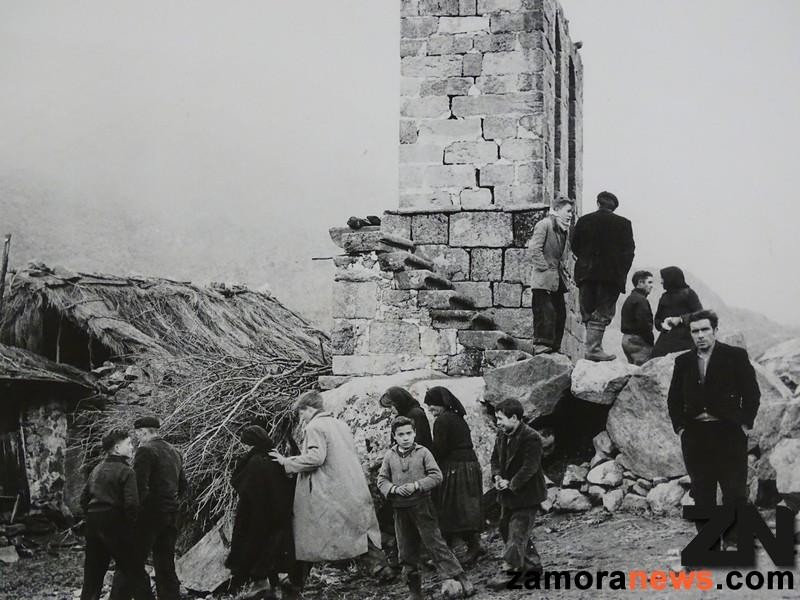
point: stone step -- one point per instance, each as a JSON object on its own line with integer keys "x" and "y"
{"x": 437, "y": 282}
{"x": 509, "y": 342}
{"x": 437, "y": 299}
{"x": 393, "y": 261}
{"x": 337, "y": 233}
{"x": 451, "y": 319}
{"x": 483, "y": 322}
{"x": 482, "y": 340}
{"x": 359, "y": 241}
{"x": 418, "y": 261}
{"x": 494, "y": 359}
{"x": 462, "y": 301}
{"x": 413, "y": 279}
{"x": 395, "y": 241}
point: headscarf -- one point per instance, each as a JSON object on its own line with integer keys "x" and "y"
{"x": 257, "y": 437}
{"x": 441, "y": 396}
{"x": 401, "y": 399}
{"x": 673, "y": 279}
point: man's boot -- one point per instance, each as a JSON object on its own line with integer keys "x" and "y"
{"x": 414, "y": 582}
{"x": 466, "y": 585}
{"x": 594, "y": 343}
{"x": 473, "y": 541}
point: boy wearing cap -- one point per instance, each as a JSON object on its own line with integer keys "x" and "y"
{"x": 407, "y": 475}
{"x": 161, "y": 482}
{"x": 110, "y": 503}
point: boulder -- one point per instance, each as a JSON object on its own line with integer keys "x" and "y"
{"x": 634, "y": 503}
{"x": 607, "y": 474}
{"x": 687, "y": 499}
{"x": 613, "y": 499}
{"x": 596, "y": 493}
{"x": 574, "y": 476}
{"x": 785, "y": 459}
{"x": 778, "y": 418}
{"x": 665, "y": 498}
{"x": 603, "y": 444}
{"x": 569, "y": 500}
{"x": 639, "y": 425}
{"x": 600, "y": 382}
{"x": 8, "y": 555}
{"x": 552, "y": 495}
{"x": 539, "y": 383}
{"x": 357, "y": 403}
{"x": 597, "y": 459}
{"x": 783, "y": 360}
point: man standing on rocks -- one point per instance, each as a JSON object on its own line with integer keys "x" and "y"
{"x": 637, "y": 320}
{"x": 161, "y": 481}
{"x": 548, "y": 276}
{"x": 713, "y": 400}
{"x": 602, "y": 243}
{"x": 334, "y": 517}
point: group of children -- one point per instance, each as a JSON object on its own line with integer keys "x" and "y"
{"x": 409, "y": 473}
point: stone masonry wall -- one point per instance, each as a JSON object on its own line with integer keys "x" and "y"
{"x": 44, "y": 427}
{"x": 490, "y": 131}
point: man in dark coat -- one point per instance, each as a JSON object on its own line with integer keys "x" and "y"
{"x": 637, "y": 320}
{"x": 110, "y": 503}
{"x": 519, "y": 480}
{"x": 713, "y": 400}
{"x": 602, "y": 243}
{"x": 261, "y": 542}
{"x": 161, "y": 481}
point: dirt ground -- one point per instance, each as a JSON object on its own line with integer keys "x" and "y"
{"x": 594, "y": 541}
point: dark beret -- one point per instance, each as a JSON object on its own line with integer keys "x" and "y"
{"x": 608, "y": 196}
{"x": 149, "y": 422}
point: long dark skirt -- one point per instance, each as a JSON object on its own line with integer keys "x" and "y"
{"x": 677, "y": 339}
{"x": 458, "y": 499}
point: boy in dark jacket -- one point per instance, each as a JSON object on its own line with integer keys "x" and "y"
{"x": 407, "y": 476}
{"x": 110, "y": 502}
{"x": 519, "y": 481}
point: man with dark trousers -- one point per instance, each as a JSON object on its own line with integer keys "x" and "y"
{"x": 637, "y": 320}
{"x": 602, "y": 243}
{"x": 713, "y": 400}
{"x": 519, "y": 481}
{"x": 110, "y": 504}
{"x": 161, "y": 482}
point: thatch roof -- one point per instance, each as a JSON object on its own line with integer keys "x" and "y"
{"x": 17, "y": 365}
{"x": 155, "y": 317}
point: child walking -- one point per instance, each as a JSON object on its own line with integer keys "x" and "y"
{"x": 407, "y": 476}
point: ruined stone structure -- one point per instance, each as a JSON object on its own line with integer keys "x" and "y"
{"x": 490, "y": 132}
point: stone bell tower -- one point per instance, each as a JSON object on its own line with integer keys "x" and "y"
{"x": 490, "y": 131}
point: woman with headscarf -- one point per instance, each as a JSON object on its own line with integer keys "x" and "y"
{"x": 674, "y": 307}
{"x": 459, "y": 496}
{"x": 261, "y": 543}
{"x": 405, "y": 405}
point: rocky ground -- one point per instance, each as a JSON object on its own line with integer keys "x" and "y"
{"x": 590, "y": 541}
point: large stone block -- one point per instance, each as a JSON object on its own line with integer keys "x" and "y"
{"x": 463, "y": 24}
{"x": 600, "y": 382}
{"x": 523, "y": 223}
{"x": 431, "y": 66}
{"x": 443, "y": 132}
{"x": 450, "y": 176}
{"x": 467, "y": 7}
{"x": 785, "y": 459}
{"x": 427, "y": 201}
{"x": 639, "y": 423}
{"x": 469, "y": 153}
{"x": 472, "y": 64}
{"x": 487, "y": 264}
{"x": 496, "y": 104}
{"x": 452, "y": 86}
{"x": 452, "y": 263}
{"x": 508, "y": 294}
{"x": 516, "y": 266}
{"x": 412, "y": 48}
{"x": 497, "y": 174}
{"x": 420, "y": 153}
{"x": 429, "y": 229}
{"x": 503, "y": 42}
{"x": 522, "y": 149}
{"x": 429, "y": 106}
{"x": 393, "y": 337}
{"x": 418, "y": 27}
{"x": 478, "y": 291}
{"x": 478, "y": 229}
{"x": 480, "y": 199}
{"x": 516, "y": 61}
{"x": 439, "y": 8}
{"x": 500, "y": 127}
{"x": 438, "y": 341}
{"x": 520, "y": 21}
{"x": 784, "y": 361}
{"x": 408, "y": 131}
{"x": 353, "y": 300}
{"x": 517, "y": 322}
{"x": 378, "y": 364}
{"x": 530, "y": 174}
{"x": 490, "y": 6}
{"x": 538, "y": 383}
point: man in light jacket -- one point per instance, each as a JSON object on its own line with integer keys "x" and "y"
{"x": 334, "y": 517}
{"x": 547, "y": 249}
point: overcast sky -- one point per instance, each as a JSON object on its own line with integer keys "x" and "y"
{"x": 211, "y": 140}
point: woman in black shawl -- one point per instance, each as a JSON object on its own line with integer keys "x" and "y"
{"x": 459, "y": 496}
{"x": 674, "y": 307}
{"x": 407, "y": 406}
{"x": 261, "y": 544}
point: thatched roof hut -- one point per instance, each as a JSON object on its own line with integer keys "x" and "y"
{"x": 84, "y": 319}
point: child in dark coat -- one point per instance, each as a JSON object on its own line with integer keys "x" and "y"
{"x": 407, "y": 476}
{"x": 110, "y": 502}
{"x": 519, "y": 481}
